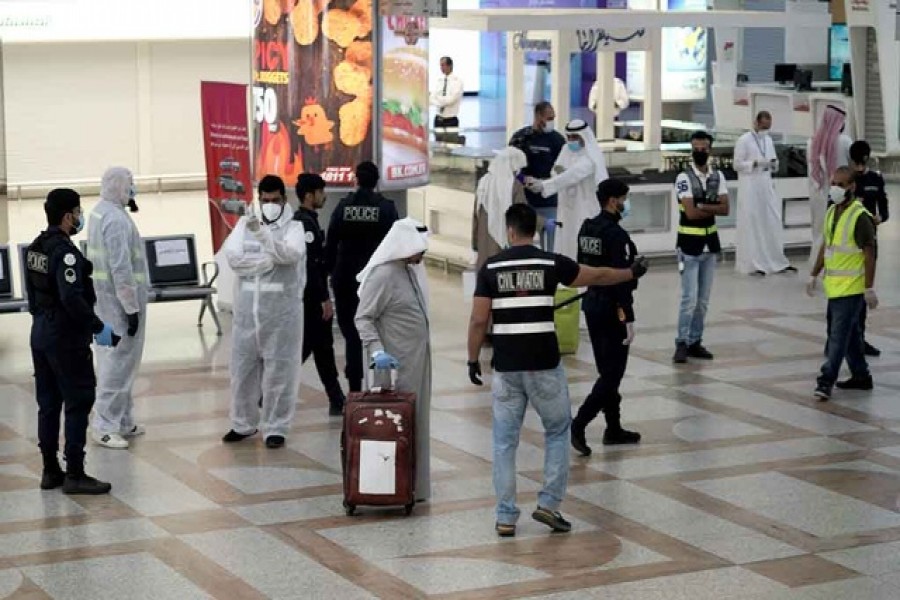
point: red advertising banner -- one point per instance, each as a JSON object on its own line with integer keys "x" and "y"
{"x": 312, "y": 88}
{"x": 404, "y": 105}
{"x": 226, "y": 142}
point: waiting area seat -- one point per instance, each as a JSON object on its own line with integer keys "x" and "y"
{"x": 9, "y": 303}
{"x": 172, "y": 267}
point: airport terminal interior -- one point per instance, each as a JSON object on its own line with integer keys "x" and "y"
{"x": 744, "y": 485}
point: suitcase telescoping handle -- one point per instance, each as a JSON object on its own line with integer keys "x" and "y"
{"x": 570, "y": 301}
{"x": 371, "y": 377}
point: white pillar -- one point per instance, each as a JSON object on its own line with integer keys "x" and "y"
{"x": 653, "y": 90}
{"x": 606, "y": 97}
{"x": 515, "y": 86}
{"x": 560, "y": 75}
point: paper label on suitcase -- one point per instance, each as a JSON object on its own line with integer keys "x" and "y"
{"x": 377, "y": 467}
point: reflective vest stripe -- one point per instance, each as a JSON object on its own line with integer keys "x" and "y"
{"x": 704, "y": 231}
{"x": 523, "y": 328}
{"x": 522, "y": 263}
{"x": 104, "y": 276}
{"x": 522, "y": 302}
{"x": 250, "y": 286}
{"x": 844, "y": 260}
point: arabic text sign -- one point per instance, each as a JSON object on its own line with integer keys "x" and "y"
{"x": 616, "y": 40}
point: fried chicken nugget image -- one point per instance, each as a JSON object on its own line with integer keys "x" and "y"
{"x": 305, "y": 21}
{"x": 354, "y": 118}
{"x": 341, "y": 26}
{"x": 360, "y": 53}
{"x": 351, "y": 78}
{"x": 362, "y": 9}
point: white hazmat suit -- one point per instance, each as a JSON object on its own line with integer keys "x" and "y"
{"x": 578, "y": 174}
{"x": 121, "y": 281}
{"x": 267, "y": 334}
{"x": 760, "y": 225}
{"x": 393, "y": 316}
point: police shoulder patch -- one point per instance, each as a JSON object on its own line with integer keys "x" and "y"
{"x": 70, "y": 275}
{"x": 69, "y": 259}
{"x": 310, "y": 237}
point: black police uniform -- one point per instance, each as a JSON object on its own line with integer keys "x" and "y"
{"x": 602, "y": 242}
{"x": 317, "y": 338}
{"x": 358, "y": 224}
{"x": 870, "y": 189}
{"x": 61, "y": 300}
{"x": 541, "y": 150}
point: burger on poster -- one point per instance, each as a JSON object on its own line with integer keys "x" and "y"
{"x": 405, "y": 103}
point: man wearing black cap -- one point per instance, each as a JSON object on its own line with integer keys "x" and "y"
{"x": 358, "y": 224}
{"x": 61, "y": 301}
{"x": 318, "y": 311}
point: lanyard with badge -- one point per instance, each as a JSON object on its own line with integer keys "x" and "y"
{"x": 761, "y": 146}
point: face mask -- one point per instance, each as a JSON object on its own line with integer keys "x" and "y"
{"x": 626, "y": 209}
{"x": 763, "y": 132}
{"x": 272, "y": 211}
{"x": 79, "y": 224}
{"x": 549, "y": 126}
{"x": 838, "y": 194}
{"x": 700, "y": 157}
{"x": 574, "y": 146}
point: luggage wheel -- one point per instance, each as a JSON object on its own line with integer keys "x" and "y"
{"x": 409, "y": 508}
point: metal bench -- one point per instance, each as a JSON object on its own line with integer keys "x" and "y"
{"x": 9, "y": 303}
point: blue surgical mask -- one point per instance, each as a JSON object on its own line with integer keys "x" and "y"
{"x": 79, "y": 225}
{"x": 574, "y": 146}
{"x": 626, "y": 209}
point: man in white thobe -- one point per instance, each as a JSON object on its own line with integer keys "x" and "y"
{"x": 392, "y": 320}
{"x": 828, "y": 149}
{"x": 760, "y": 243}
{"x": 578, "y": 170}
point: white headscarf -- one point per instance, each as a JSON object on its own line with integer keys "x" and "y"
{"x": 591, "y": 147}
{"x": 116, "y": 184}
{"x": 495, "y": 190}
{"x": 406, "y": 239}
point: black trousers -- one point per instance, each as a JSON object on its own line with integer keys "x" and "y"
{"x": 319, "y": 342}
{"x": 611, "y": 357}
{"x": 346, "y": 301}
{"x": 440, "y": 121}
{"x": 64, "y": 381}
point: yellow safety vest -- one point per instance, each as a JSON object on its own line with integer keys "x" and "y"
{"x": 845, "y": 264}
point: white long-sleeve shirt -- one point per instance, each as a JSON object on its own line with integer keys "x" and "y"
{"x": 620, "y": 96}
{"x": 448, "y": 95}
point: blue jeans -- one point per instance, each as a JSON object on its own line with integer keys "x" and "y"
{"x": 845, "y": 339}
{"x": 696, "y": 283}
{"x": 548, "y": 393}
{"x": 547, "y": 237}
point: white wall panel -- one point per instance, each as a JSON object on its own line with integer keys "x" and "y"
{"x": 70, "y": 109}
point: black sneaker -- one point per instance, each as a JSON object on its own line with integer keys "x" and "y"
{"x": 681, "y": 353}
{"x": 822, "y": 393}
{"x": 696, "y": 350}
{"x": 552, "y": 519}
{"x": 51, "y": 480}
{"x": 616, "y": 437}
{"x": 789, "y": 269}
{"x": 870, "y": 350}
{"x": 579, "y": 443}
{"x": 275, "y": 441}
{"x": 85, "y": 485}
{"x": 856, "y": 383}
{"x": 234, "y": 436}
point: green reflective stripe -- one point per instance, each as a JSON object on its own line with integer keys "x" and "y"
{"x": 844, "y": 272}
{"x": 696, "y": 230}
{"x": 104, "y": 276}
{"x": 139, "y": 277}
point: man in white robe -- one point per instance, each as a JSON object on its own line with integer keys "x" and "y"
{"x": 392, "y": 320}
{"x": 828, "y": 149}
{"x": 760, "y": 242}
{"x": 578, "y": 170}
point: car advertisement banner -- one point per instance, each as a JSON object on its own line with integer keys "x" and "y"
{"x": 404, "y": 104}
{"x": 312, "y": 88}
{"x": 226, "y": 142}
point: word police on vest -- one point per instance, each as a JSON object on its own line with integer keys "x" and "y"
{"x": 520, "y": 281}
{"x": 362, "y": 214}
{"x": 591, "y": 245}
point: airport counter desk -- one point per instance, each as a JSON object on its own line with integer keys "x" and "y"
{"x": 446, "y": 205}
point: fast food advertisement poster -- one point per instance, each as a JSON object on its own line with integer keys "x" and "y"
{"x": 226, "y": 145}
{"x": 312, "y": 88}
{"x": 404, "y": 102}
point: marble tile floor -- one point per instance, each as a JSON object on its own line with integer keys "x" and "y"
{"x": 744, "y": 488}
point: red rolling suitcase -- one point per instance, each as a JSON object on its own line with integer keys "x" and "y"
{"x": 378, "y": 449}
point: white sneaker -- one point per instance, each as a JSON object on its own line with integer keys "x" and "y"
{"x": 110, "y": 440}
{"x": 135, "y": 431}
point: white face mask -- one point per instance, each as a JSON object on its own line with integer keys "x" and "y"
{"x": 837, "y": 194}
{"x": 549, "y": 126}
{"x": 272, "y": 211}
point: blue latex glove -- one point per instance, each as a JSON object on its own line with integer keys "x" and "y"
{"x": 106, "y": 337}
{"x": 550, "y": 225}
{"x": 383, "y": 360}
